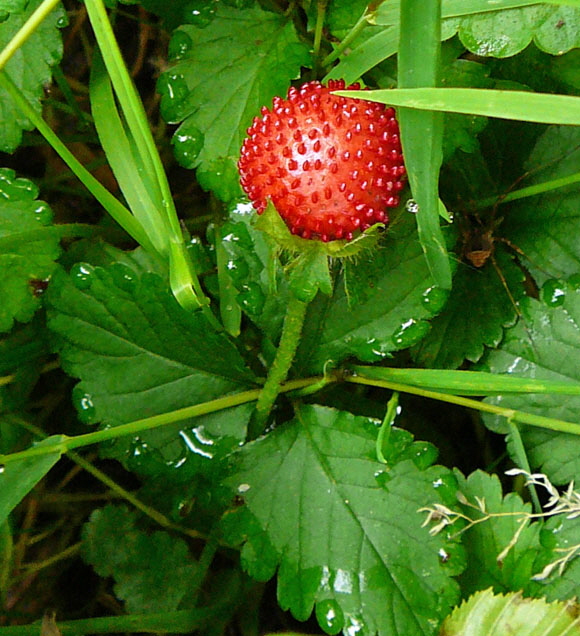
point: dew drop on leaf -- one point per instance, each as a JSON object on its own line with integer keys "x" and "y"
{"x": 200, "y": 13}
{"x": 82, "y": 275}
{"x": 410, "y": 332}
{"x": 330, "y": 616}
{"x": 83, "y": 403}
{"x": 173, "y": 89}
{"x": 553, "y": 292}
{"x": 179, "y": 46}
{"x": 424, "y": 456}
{"x": 251, "y": 298}
{"x": 434, "y": 299}
{"x": 412, "y": 206}
{"x": 43, "y": 213}
{"x": 62, "y": 22}
{"x": 383, "y": 478}
{"x": 187, "y": 146}
{"x": 123, "y": 277}
{"x": 2, "y": 468}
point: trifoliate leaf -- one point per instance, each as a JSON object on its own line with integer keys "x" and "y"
{"x": 484, "y": 614}
{"x": 138, "y": 354}
{"x": 343, "y": 528}
{"x": 29, "y": 245}
{"x": 153, "y": 571}
{"x": 385, "y": 306}
{"x": 545, "y": 227}
{"x": 225, "y": 71}
{"x": 29, "y": 68}
{"x": 544, "y": 345}
{"x": 457, "y": 334}
{"x": 490, "y": 559}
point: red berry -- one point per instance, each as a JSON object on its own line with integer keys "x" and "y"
{"x": 330, "y": 165}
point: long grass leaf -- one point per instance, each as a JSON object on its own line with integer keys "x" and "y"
{"x": 520, "y": 105}
{"x": 422, "y": 132}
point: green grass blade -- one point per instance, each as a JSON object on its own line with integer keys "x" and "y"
{"x": 520, "y": 105}
{"x": 422, "y": 132}
{"x": 114, "y": 207}
{"x": 467, "y": 382}
{"x": 134, "y": 113}
{"x": 125, "y": 163}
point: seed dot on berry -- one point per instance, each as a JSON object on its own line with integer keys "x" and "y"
{"x": 342, "y": 187}
{"x": 312, "y": 134}
{"x": 292, "y": 165}
{"x": 331, "y": 152}
{"x": 348, "y": 135}
{"x": 316, "y": 146}
{"x": 317, "y": 164}
{"x": 346, "y": 155}
{"x": 359, "y": 154}
{"x": 306, "y": 165}
{"x": 327, "y": 193}
{"x": 295, "y": 184}
{"x": 326, "y": 130}
{"x": 301, "y": 149}
{"x": 297, "y": 136}
{"x": 333, "y": 168}
{"x": 314, "y": 197}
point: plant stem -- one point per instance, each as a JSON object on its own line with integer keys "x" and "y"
{"x": 360, "y": 25}
{"x": 521, "y": 458}
{"x": 320, "y": 17}
{"x": 65, "y": 443}
{"x": 520, "y": 417}
{"x": 289, "y": 340}
{"x": 27, "y": 29}
{"x": 530, "y": 191}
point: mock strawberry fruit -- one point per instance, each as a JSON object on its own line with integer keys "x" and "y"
{"x": 330, "y": 165}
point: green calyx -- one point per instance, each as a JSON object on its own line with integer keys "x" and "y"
{"x": 309, "y": 265}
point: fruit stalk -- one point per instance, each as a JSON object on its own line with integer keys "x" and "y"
{"x": 289, "y": 340}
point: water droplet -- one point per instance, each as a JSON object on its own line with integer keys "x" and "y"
{"x": 43, "y": 213}
{"x": 179, "y": 46}
{"x": 123, "y": 276}
{"x": 200, "y": 13}
{"x": 2, "y": 468}
{"x": 242, "y": 488}
{"x": 383, "y": 478}
{"x": 553, "y": 292}
{"x": 174, "y": 90}
{"x": 410, "y": 332}
{"x": 443, "y": 555}
{"x": 84, "y": 405}
{"x": 198, "y": 441}
{"x": 251, "y": 298}
{"x": 82, "y": 275}
{"x": 434, "y": 299}
{"x": 423, "y": 455}
{"x": 187, "y": 144}
{"x": 412, "y": 206}
{"x": 62, "y": 22}
{"x": 13, "y": 188}
{"x": 330, "y": 616}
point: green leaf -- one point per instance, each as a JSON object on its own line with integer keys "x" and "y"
{"x": 485, "y": 541}
{"x": 254, "y": 269}
{"x": 18, "y": 479}
{"x": 29, "y": 69}
{"x": 153, "y": 572}
{"x": 138, "y": 353}
{"x": 457, "y": 334}
{"x": 554, "y": 30}
{"x": 224, "y": 73}
{"x": 484, "y": 614}
{"x": 342, "y": 527}
{"x": 29, "y": 245}
{"x": 391, "y": 288}
{"x": 545, "y": 345}
{"x": 545, "y": 227}
{"x": 560, "y": 580}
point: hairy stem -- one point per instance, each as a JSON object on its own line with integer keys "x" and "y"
{"x": 291, "y": 331}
